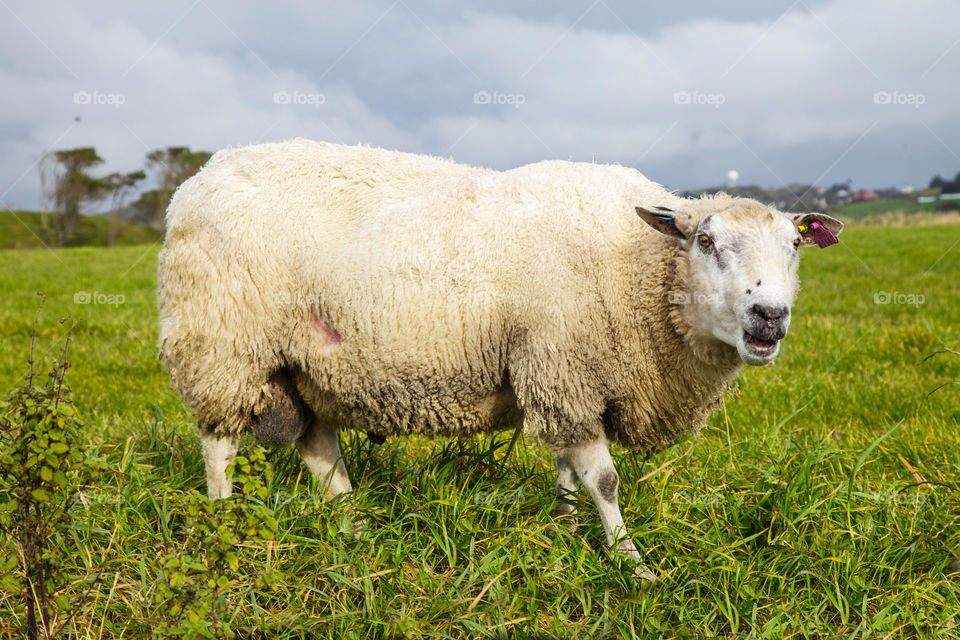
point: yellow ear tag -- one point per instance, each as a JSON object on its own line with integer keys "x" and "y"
{"x": 802, "y": 227}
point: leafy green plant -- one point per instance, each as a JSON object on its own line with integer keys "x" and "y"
{"x": 42, "y": 462}
{"x": 199, "y": 577}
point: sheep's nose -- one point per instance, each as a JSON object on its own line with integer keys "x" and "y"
{"x": 770, "y": 314}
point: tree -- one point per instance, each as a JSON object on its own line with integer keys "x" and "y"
{"x": 75, "y": 187}
{"x": 172, "y": 166}
{"x": 120, "y": 185}
{"x": 48, "y": 167}
{"x": 149, "y": 208}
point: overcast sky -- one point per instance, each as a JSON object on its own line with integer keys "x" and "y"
{"x": 808, "y": 91}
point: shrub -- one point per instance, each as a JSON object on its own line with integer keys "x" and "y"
{"x": 42, "y": 462}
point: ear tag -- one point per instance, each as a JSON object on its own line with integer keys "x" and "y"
{"x": 823, "y": 236}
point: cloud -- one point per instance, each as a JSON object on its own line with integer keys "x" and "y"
{"x": 845, "y": 88}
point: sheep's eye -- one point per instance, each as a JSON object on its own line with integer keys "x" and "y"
{"x": 796, "y": 243}
{"x": 705, "y": 241}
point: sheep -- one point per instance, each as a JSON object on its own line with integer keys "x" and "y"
{"x": 304, "y": 287}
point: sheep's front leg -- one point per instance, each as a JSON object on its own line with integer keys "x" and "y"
{"x": 319, "y": 446}
{"x": 567, "y": 486}
{"x": 218, "y": 451}
{"x": 594, "y": 466}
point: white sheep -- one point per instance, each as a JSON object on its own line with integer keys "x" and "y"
{"x": 304, "y": 287}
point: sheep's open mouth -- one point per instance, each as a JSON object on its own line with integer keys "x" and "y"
{"x": 758, "y": 346}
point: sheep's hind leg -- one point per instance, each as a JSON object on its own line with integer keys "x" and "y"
{"x": 218, "y": 451}
{"x": 319, "y": 446}
{"x": 594, "y": 466}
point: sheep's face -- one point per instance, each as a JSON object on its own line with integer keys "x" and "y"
{"x": 742, "y": 269}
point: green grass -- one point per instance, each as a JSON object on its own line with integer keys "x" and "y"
{"x": 29, "y": 230}
{"x": 789, "y": 517}
{"x": 867, "y": 209}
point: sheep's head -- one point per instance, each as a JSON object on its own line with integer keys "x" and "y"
{"x": 742, "y": 268}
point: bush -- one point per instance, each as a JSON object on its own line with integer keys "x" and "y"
{"x": 42, "y": 462}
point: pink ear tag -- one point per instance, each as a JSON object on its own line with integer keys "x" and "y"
{"x": 823, "y": 236}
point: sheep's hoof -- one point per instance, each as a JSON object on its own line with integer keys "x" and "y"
{"x": 646, "y": 576}
{"x": 638, "y": 571}
{"x": 360, "y": 529}
{"x": 566, "y": 519}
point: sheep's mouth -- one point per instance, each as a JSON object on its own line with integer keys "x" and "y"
{"x": 759, "y": 348}
{"x": 757, "y": 351}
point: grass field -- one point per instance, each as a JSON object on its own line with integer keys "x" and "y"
{"x": 780, "y": 521}
{"x": 903, "y": 207}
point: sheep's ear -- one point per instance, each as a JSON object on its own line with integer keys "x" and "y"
{"x": 666, "y": 221}
{"x": 817, "y": 228}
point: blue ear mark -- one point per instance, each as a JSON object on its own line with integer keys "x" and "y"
{"x": 665, "y": 209}
{"x": 667, "y": 219}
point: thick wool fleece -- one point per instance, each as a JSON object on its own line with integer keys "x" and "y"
{"x": 408, "y": 294}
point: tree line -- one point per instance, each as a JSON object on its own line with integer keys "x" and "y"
{"x": 69, "y": 186}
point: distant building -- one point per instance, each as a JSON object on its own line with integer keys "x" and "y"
{"x": 863, "y": 196}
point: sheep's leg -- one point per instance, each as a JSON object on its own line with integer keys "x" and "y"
{"x": 218, "y": 451}
{"x": 319, "y": 446}
{"x": 594, "y": 466}
{"x": 567, "y": 486}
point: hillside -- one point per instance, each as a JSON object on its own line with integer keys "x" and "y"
{"x": 24, "y": 230}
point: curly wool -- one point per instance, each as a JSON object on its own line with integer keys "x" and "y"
{"x": 409, "y": 294}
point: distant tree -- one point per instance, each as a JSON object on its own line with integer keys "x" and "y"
{"x": 119, "y": 185}
{"x": 149, "y": 208}
{"x": 945, "y": 185}
{"x": 75, "y": 187}
{"x": 48, "y": 167}
{"x": 171, "y": 166}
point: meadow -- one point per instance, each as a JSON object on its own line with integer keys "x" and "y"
{"x": 821, "y": 501}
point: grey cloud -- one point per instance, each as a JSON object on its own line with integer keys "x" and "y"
{"x": 682, "y": 92}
